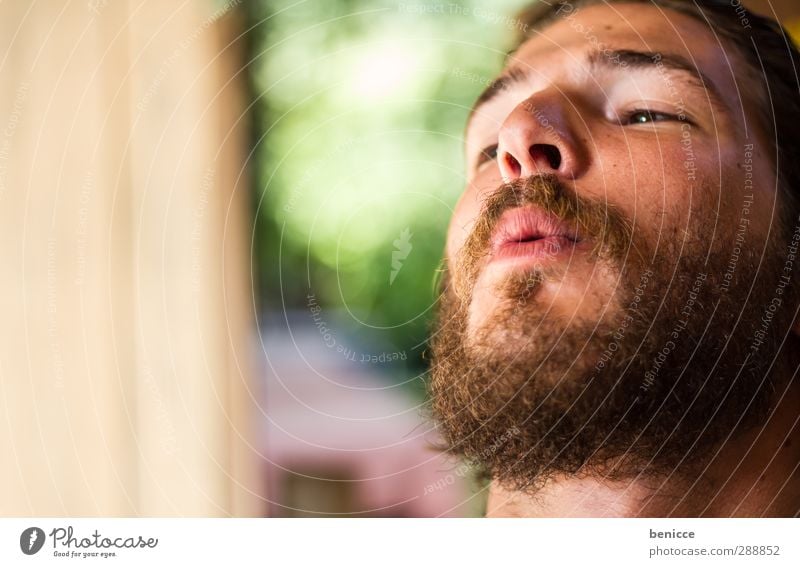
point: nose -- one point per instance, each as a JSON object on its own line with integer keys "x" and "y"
{"x": 537, "y": 138}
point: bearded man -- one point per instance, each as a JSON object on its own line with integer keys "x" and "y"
{"x": 617, "y": 333}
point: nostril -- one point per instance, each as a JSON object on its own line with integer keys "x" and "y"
{"x": 550, "y": 153}
{"x": 512, "y": 164}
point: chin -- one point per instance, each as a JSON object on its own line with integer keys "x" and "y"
{"x": 536, "y": 301}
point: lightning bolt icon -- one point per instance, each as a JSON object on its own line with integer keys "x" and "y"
{"x": 34, "y": 537}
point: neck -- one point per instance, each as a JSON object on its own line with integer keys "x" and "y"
{"x": 753, "y": 474}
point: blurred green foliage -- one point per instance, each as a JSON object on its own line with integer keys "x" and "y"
{"x": 359, "y": 115}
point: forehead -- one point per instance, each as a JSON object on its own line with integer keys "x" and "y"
{"x": 629, "y": 26}
{"x": 558, "y": 50}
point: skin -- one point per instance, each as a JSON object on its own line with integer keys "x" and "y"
{"x": 588, "y": 115}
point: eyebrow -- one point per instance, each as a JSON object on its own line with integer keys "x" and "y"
{"x": 623, "y": 59}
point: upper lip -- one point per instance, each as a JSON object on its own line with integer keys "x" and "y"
{"x": 526, "y": 224}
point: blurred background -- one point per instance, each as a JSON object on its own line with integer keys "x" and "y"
{"x": 358, "y": 121}
{"x": 221, "y": 224}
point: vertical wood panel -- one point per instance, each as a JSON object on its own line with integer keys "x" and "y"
{"x": 121, "y": 393}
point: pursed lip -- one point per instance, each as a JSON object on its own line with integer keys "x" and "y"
{"x": 529, "y": 232}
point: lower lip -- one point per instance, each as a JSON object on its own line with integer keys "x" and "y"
{"x": 541, "y": 249}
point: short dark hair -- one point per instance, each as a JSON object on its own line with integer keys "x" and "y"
{"x": 769, "y": 54}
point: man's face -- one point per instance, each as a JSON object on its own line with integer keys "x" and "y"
{"x": 575, "y": 94}
{"x": 601, "y": 230}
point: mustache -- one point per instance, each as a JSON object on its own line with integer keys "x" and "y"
{"x": 598, "y": 221}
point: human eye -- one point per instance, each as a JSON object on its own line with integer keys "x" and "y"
{"x": 487, "y": 154}
{"x": 641, "y": 116}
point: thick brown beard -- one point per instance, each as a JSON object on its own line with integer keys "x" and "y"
{"x": 562, "y": 402}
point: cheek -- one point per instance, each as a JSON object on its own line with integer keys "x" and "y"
{"x": 458, "y": 230}
{"x": 467, "y": 211}
{"x": 633, "y": 178}
{"x": 657, "y": 185}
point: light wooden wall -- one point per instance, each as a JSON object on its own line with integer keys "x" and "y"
{"x": 125, "y": 296}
